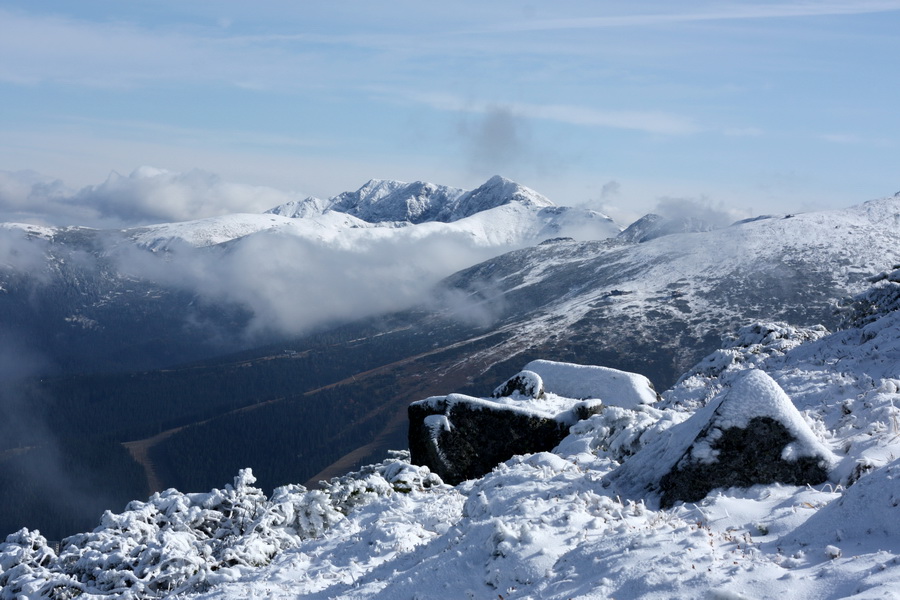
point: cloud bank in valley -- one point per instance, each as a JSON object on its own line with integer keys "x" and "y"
{"x": 292, "y": 285}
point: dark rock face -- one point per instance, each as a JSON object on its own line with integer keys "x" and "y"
{"x": 746, "y": 456}
{"x": 460, "y": 439}
{"x": 525, "y": 383}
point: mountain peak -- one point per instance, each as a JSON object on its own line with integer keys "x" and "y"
{"x": 496, "y": 191}
{"x": 387, "y": 200}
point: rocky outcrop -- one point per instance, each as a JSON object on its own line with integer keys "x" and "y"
{"x": 744, "y": 456}
{"x": 461, "y": 437}
{"x": 750, "y": 434}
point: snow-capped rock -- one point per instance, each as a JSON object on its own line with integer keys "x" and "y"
{"x": 524, "y": 383}
{"x": 381, "y": 201}
{"x": 614, "y": 387}
{"x": 496, "y": 191}
{"x": 750, "y": 434}
{"x": 461, "y": 437}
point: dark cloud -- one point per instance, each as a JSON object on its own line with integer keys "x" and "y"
{"x": 495, "y": 141}
{"x": 610, "y": 189}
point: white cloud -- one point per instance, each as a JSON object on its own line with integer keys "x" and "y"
{"x": 292, "y": 284}
{"x": 703, "y": 209}
{"x": 154, "y": 195}
{"x": 148, "y": 195}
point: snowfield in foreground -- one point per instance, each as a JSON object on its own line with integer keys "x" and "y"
{"x": 552, "y": 525}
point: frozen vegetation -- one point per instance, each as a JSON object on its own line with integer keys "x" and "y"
{"x": 583, "y": 521}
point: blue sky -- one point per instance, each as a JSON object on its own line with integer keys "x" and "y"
{"x": 753, "y": 107}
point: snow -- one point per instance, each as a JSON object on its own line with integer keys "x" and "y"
{"x": 549, "y": 406}
{"x": 614, "y": 387}
{"x": 29, "y": 229}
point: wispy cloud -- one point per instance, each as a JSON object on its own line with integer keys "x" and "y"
{"x": 121, "y": 55}
{"x": 656, "y": 122}
{"x": 721, "y": 13}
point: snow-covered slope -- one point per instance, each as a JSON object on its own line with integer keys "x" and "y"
{"x": 641, "y": 303}
{"x": 549, "y": 525}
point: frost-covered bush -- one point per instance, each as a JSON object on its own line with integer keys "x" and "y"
{"x": 883, "y": 297}
{"x": 177, "y": 542}
{"x": 395, "y": 474}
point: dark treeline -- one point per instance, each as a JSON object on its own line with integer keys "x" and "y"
{"x": 64, "y": 485}
{"x": 62, "y": 437}
{"x": 287, "y": 441}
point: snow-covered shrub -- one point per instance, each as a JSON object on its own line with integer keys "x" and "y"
{"x": 178, "y": 542}
{"x": 395, "y": 474}
{"x": 24, "y": 561}
{"x": 774, "y": 337}
{"x": 617, "y": 432}
{"x": 883, "y": 297}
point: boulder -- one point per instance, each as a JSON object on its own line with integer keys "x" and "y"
{"x": 461, "y": 437}
{"x": 750, "y": 434}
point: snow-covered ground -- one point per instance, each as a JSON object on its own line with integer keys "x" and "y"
{"x": 554, "y": 524}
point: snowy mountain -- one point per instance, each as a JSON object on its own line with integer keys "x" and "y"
{"x": 384, "y": 201}
{"x": 566, "y": 524}
{"x": 654, "y": 308}
{"x": 244, "y": 266}
{"x": 500, "y": 212}
{"x": 650, "y": 306}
